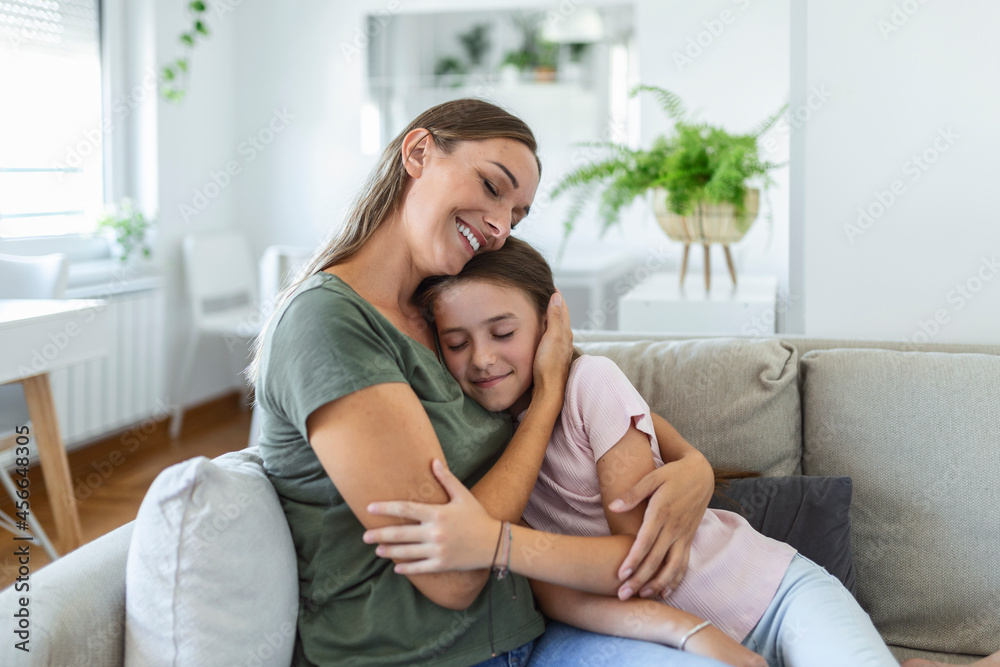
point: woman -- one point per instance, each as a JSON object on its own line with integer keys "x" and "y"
{"x": 355, "y": 403}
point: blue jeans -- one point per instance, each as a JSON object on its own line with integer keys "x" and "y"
{"x": 563, "y": 645}
{"x": 813, "y": 621}
{"x": 516, "y": 658}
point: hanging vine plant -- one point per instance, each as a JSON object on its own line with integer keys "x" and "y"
{"x": 174, "y": 77}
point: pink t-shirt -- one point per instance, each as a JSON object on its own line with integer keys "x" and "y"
{"x": 733, "y": 572}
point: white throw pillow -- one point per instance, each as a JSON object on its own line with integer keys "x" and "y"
{"x": 211, "y": 575}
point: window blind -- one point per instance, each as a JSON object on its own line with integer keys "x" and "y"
{"x": 51, "y": 134}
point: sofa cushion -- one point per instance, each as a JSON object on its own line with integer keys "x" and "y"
{"x": 813, "y": 514}
{"x": 736, "y": 400}
{"x": 919, "y": 433}
{"x": 211, "y": 575}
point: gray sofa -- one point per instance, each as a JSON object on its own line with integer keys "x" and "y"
{"x": 917, "y": 428}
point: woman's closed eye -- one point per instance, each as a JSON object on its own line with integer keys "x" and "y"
{"x": 505, "y": 336}
{"x": 490, "y": 188}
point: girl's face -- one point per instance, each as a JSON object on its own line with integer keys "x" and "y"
{"x": 464, "y": 202}
{"x": 488, "y": 338}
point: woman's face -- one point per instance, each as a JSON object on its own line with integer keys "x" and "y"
{"x": 489, "y": 335}
{"x": 464, "y": 202}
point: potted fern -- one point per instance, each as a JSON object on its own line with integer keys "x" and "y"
{"x": 699, "y": 177}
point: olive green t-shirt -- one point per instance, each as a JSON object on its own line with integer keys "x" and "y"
{"x": 325, "y": 343}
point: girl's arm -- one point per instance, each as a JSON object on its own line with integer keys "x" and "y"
{"x": 400, "y": 442}
{"x": 583, "y": 563}
{"x": 678, "y": 494}
{"x": 462, "y": 535}
{"x": 646, "y": 620}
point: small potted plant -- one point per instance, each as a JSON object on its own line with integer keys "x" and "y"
{"x": 476, "y": 42}
{"x": 449, "y": 69}
{"x": 700, "y": 177}
{"x": 127, "y": 230}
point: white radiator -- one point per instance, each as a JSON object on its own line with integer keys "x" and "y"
{"x": 109, "y": 394}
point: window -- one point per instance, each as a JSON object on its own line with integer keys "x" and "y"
{"x": 51, "y": 132}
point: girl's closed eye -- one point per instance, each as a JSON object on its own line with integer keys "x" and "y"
{"x": 490, "y": 187}
{"x": 504, "y": 336}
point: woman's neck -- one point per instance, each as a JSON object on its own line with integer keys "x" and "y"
{"x": 382, "y": 272}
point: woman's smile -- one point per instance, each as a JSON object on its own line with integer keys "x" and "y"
{"x": 472, "y": 236}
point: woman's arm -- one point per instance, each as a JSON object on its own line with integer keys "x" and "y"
{"x": 400, "y": 442}
{"x": 678, "y": 493}
{"x": 462, "y": 535}
{"x": 576, "y": 562}
{"x": 505, "y": 489}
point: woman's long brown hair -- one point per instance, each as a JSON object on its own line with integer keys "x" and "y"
{"x": 449, "y": 124}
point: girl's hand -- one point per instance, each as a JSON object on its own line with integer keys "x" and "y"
{"x": 714, "y": 643}
{"x": 658, "y": 559}
{"x": 555, "y": 352}
{"x": 459, "y": 535}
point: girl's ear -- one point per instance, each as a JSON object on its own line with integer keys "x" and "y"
{"x": 416, "y": 145}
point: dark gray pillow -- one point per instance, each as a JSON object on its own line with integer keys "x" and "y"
{"x": 811, "y": 514}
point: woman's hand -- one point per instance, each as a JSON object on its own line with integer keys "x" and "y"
{"x": 459, "y": 535}
{"x": 714, "y": 643}
{"x": 555, "y": 351}
{"x": 658, "y": 559}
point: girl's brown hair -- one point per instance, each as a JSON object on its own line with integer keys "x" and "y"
{"x": 517, "y": 265}
{"x": 449, "y": 124}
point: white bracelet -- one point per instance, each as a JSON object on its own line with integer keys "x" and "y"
{"x": 692, "y": 631}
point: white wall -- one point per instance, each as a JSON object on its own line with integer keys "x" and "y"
{"x": 193, "y": 141}
{"x": 304, "y": 55}
{"x": 904, "y": 87}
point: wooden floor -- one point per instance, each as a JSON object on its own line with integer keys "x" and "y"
{"x": 111, "y": 477}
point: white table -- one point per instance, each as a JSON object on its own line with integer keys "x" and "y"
{"x": 36, "y": 337}
{"x": 660, "y": 304}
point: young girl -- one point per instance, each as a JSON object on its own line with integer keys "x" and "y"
{"x": 744, "y": 596}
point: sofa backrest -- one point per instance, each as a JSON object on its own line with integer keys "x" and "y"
{"x": 735, "y": 400}
{"x": 917, "y": 428}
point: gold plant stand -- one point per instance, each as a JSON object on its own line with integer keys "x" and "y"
{"x": 710, "y": 223}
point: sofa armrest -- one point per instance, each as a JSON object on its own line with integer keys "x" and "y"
{"x": 76, "y": 607}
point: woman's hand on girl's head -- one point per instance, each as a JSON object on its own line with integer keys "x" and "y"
{"x": 459, "y": 535}
{"x": 555, "y": 352}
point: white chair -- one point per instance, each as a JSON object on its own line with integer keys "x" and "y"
{"x": 278, "y": 266}
{"x": 24, "y": 277}
{"x": 222, "y": 288}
